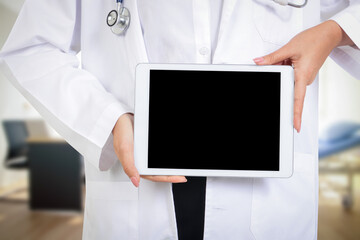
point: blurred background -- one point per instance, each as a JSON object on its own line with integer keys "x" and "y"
{"x": 38, "y": 202}
{"x": 41, "y": 176}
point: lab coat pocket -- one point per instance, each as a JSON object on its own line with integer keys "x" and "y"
{"x": 111, "y": 211}
{"x": 276, "y": 24}
{"x": 285, "y": 209}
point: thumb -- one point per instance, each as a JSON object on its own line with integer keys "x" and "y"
{"x": 274, "y": 58}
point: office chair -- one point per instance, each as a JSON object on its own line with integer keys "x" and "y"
{"x": 16, "y": 134}
{"x": 16, "y": 159}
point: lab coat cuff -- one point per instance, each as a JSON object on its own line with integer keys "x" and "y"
{"x": 102, "y": 135}
{"x": 350, "y": 25}
{"x": 348, "y": 57}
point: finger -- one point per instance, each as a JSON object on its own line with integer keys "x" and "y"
{"x": 126, "y": 158}
{"x": 124, "y": 147}
{"x": 287, "y": 62}
{"x": 279, "y": 63}
{"x": 273, "y": 58}
{"x": 171, "y": 179}
{"x": 299, "y": 96}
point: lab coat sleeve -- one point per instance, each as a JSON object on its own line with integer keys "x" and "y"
{"x": 39, "y": 58}
{"x": 348, "y": 18}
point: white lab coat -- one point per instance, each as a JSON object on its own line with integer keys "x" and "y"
{"x": 83, "y": 104}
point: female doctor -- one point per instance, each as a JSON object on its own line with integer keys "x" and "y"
{"x": 91, "y": 106}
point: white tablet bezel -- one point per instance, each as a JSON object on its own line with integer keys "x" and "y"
{"x": 142, "y": 112}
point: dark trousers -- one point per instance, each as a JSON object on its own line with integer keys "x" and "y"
{"x": 189, "y": 201}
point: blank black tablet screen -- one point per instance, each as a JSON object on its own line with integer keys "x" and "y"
{"x": 214, "y": 120}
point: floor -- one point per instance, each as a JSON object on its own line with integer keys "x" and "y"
{"x": 337, "y": 224}
{"x": 18, "y": 222}
{"x": 335, "y": 221}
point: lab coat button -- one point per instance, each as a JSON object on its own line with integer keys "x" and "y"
{"x": 204, "y": 51}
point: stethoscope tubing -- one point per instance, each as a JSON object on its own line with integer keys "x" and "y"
{"x": 114, "y": 15}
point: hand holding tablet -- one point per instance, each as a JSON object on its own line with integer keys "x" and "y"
{"x": 123, "y": 145}
{"x": 207, "y": 120}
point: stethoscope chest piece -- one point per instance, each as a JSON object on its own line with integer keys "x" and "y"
{"x": 119, "y": 20}
{"x": 112, "y": 18}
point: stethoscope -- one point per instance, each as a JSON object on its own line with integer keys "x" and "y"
{"x": 287, "y": 3}
{"x": 119, "y": 20}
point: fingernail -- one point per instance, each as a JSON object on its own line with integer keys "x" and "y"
{"x": 258, "y": 60}
{"x": 135, "y": 181}
{"x": 183, "y": 180}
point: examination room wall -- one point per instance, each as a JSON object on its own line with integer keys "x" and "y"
{"x": 339, "y": 218}
{"x": 338, "y": 95}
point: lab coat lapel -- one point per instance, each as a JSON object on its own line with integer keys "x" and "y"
{"x": 227, "y": 11}
{"x": 134, "y": 41}
{"x": 155, "y": 199}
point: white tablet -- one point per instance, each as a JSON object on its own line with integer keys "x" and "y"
{"x": 214, "y": 120}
